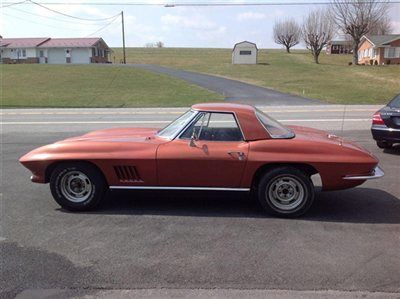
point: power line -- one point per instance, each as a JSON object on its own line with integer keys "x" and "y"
{"x": 12, "y": 3}
{"x": 51, "y": 18}
{"x": 67, "y": 15}
{"x": 33, "y": 22}
{"x": 175, "y": 4}
{"x": 102, "y": 28}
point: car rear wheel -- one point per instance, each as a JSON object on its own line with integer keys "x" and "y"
{"x": 286, "y": 192}
{"x": 77, "y": 186}
{"x": 384, "y": 144}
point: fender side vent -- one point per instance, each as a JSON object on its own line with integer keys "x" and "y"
{"x": 127, "y": 174}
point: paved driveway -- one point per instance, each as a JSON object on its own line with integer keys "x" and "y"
{"x": 234, "y": 91}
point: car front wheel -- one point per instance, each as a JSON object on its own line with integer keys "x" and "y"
{"x": 286, "y": 192}
{"x": 77, "y": 186}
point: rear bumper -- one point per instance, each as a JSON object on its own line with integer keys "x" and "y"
{"x": 376, "y": 174}
{"x": 383, "y": 133}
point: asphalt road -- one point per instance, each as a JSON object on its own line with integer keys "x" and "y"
{"x": 232, "y": 90}
{"x": 171, "y": 244}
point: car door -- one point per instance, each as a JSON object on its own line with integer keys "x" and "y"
{"x": 209, "y": 153}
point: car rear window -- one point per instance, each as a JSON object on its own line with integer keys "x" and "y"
{"x": 395, "y": 103}
{"x": 274, "y": 128}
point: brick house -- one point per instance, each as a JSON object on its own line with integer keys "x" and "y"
{"x": 379, "y": 49}
{"x": 339, "y": 47}
{"x": 54, "y": 50}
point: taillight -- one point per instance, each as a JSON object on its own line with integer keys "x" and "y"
{"x": 377, "y": 119}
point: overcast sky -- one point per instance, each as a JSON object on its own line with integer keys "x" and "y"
{"x": 217, "y": 27}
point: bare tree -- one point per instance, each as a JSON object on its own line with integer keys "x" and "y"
{"x": 287, "y": 33}
{"x": 382, "y": 27}
{"x": 159, "y": 44}
{"x": 357, "y": 18}
{"x": 317, "y": 30}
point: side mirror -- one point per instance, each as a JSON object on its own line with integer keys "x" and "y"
{"x": 193, "y": 139}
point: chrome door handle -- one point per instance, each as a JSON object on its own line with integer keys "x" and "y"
{"x": 240, "y": 155}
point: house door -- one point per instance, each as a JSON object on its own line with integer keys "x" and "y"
{"x": 42, "y": 59}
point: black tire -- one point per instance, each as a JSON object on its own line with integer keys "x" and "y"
{"x": 384, "y": 144}
{"x": 82, "y": 176}
{"x": 278, "y": 185}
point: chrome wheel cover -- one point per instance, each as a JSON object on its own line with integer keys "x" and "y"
{"x": 76, "y": 186}
{"x": 286, "y": 193}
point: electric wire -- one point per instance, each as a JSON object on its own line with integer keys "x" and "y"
{"x": 70, "y": 16}
{"x": 53, "y": 18}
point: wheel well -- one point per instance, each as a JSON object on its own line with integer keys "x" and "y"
{"x": 52, "y": 166}
{"x": 305, "y": 168}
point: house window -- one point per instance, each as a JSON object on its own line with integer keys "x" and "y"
{"x": 41, "y": 53}
{"x": 23, "y": 53}
{"x": 392, "y": 52}
{"x": 375, "y": 52}
{"x": 245, "y": 52}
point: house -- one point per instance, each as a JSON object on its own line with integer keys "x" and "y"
{"x": 339, "y": 47}
{"x": 54, "y": 50}
{"x": 379, "y": 49}
{"x": 244, "y": 53}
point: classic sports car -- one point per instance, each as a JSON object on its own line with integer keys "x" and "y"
{"x": 221, "y": 147}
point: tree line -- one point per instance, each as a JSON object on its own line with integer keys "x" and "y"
{"x": 354, "y": 18}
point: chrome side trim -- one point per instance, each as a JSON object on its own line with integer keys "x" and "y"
{"x": 378, "y": 173}
{"x": 179, "y": 188}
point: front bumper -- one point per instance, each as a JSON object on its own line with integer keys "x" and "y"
{"x": 376, "y": 174}
{"x": 384, "y": 133}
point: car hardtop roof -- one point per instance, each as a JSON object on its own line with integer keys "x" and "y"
{"x": 246, "y": 117}
{"x": 223, "y": 107}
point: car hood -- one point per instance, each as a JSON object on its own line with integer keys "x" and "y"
{"x": 116, "y": 135}
{"x": 318, "y": 136}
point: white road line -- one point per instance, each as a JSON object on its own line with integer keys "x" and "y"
{"x": 167, "y": 121}
{"x": 172, "y": 112}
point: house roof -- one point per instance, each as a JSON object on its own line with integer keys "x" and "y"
{"x": 22, "y": 42}
{"x": 46, "y": 42}
{"x": 71, "y": 42}
{"x": 380, "y": 40}
{"x": 244, "y": 42}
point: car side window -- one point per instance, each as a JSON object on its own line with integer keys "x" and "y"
{"x": 214, "y": 127}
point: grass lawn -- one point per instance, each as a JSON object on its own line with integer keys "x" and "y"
{"x": 331, "y": 81}
{"x": 94, "y": 86}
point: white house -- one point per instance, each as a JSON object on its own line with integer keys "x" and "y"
{"x": 244, "y": 53}
{"x": 54, "y": 50}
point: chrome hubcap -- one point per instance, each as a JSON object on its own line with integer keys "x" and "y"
{"x": 76, "y": 186}
{"x": 286, "y": 193}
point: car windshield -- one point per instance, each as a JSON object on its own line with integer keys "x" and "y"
{"x": 273, "y": 127}
{"x": 395, "y": 103}
{"x": 176, "y": 126}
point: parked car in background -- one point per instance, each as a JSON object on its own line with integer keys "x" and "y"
{"x": 386, "y": 124}
{"x": 214, "y": 147}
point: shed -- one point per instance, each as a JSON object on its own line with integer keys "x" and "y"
{"x": 244, "y": 53}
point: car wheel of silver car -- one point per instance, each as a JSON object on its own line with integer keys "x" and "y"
{"x": 77, "y": 186}
{"x": 286, "y": 192}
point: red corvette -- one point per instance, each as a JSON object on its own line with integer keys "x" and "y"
{"x": 221, "y": 147}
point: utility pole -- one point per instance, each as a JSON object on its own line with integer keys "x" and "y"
{"x": 123, "y": 36}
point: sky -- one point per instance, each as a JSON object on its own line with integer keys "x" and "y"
{"x": 179, "y": 26}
